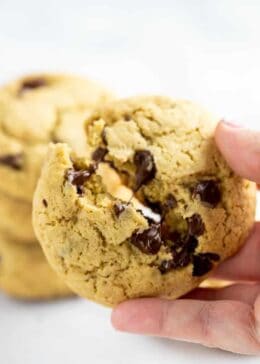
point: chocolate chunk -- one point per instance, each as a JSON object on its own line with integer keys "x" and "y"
{"x": 45, "y": 203}
{"x": 208, "y": 192}
{"x": 99, "y": 154}
{"x": 196, "y": 226}
{"x": 119, "y": 208}
{"x": 201, "y": 265}
{"x": 79, "y": 177}
{"x": 148, "y": 241}
{"x": 32, "y": 84}
{"x": 145, "y": 168}
{"x": 14, "y": 161}
{"x": 166, "y": 266}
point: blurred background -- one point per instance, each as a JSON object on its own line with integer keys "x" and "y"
{"x": 201, "y": 49}
{"x": 206, "y": 50}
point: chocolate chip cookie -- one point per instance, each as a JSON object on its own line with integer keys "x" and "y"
{"x": 25, "y": 273}
{"x": 34, "y": 111}
{"x": 195, "y": 211}
{"x": 16, "y": 216}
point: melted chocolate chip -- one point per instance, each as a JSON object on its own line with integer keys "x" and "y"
{"x": 45, "y": 203}
{"x": 196, "y": 226}
{"x": 166, "y": 266}
{"x": 208, "y": 192}
{"x": 32, "y": 84}
{"x": 201, "y": 265}
{"x": 173, "y": 236}
{"x": 148, "y": 241}
{"x": 145, "y": 168}
{"x": 99, "y": 154}
{"x": 119, "y": 208}
{"x": 79, "y": 177}
{"x": 181, "y": 259}
{"x": 14, "y": 161}
{"x": 191, "y": 244}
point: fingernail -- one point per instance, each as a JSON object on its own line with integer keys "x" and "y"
{"x": 231, "y": 124}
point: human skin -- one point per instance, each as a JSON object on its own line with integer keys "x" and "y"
{"x": 227, "y": 318}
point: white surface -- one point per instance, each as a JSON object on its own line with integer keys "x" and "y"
{"x": 199, "y": 49}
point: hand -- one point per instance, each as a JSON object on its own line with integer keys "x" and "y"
{"x": 227, "y": 318}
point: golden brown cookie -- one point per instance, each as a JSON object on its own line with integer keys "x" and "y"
{"x": 34, "y": 111}
{"x": 108, "y": 250}
{"x": 25, "y": 273}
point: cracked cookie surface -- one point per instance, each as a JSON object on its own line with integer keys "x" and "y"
{"x": 34, "y": 111}
{"x": 26, "y": 274}
{"x": 108, "y": 250}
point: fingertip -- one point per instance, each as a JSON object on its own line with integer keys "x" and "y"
{"x": 137, "y": 316}
{"x": 119, "y": 317}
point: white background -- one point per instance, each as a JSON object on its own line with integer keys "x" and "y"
{"x": 206, "y": 50}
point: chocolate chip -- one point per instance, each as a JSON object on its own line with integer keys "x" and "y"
{"x": 196, "y": 226}
{"x": 148, "y": 241}
{"x": 208, "y": 192}
{"x": 173, "y": 236}
{"x": 45, "y": 203}
{"x": 170, "y": 203}
{"x": 79, "y": 177}
{"x": 127, "y": 117}
{"x": 201, "y": 265}
{"x": 212, "y": 256}
{"x": 145, "y": 168}
{"x": 119, "y": 208}
{"x": 33, "y": 83}
{"x": 181, "y": 259}
{"x": 15, "y": 161}
{"x": 166, "y": 266}
{"x": 99, "y": 154}
{"x": 191, "y": 244}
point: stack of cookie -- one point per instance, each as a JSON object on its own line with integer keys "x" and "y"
{"x": 35, "y": 111}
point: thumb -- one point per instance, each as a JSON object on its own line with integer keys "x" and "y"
{"x": 241, "y": 149}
